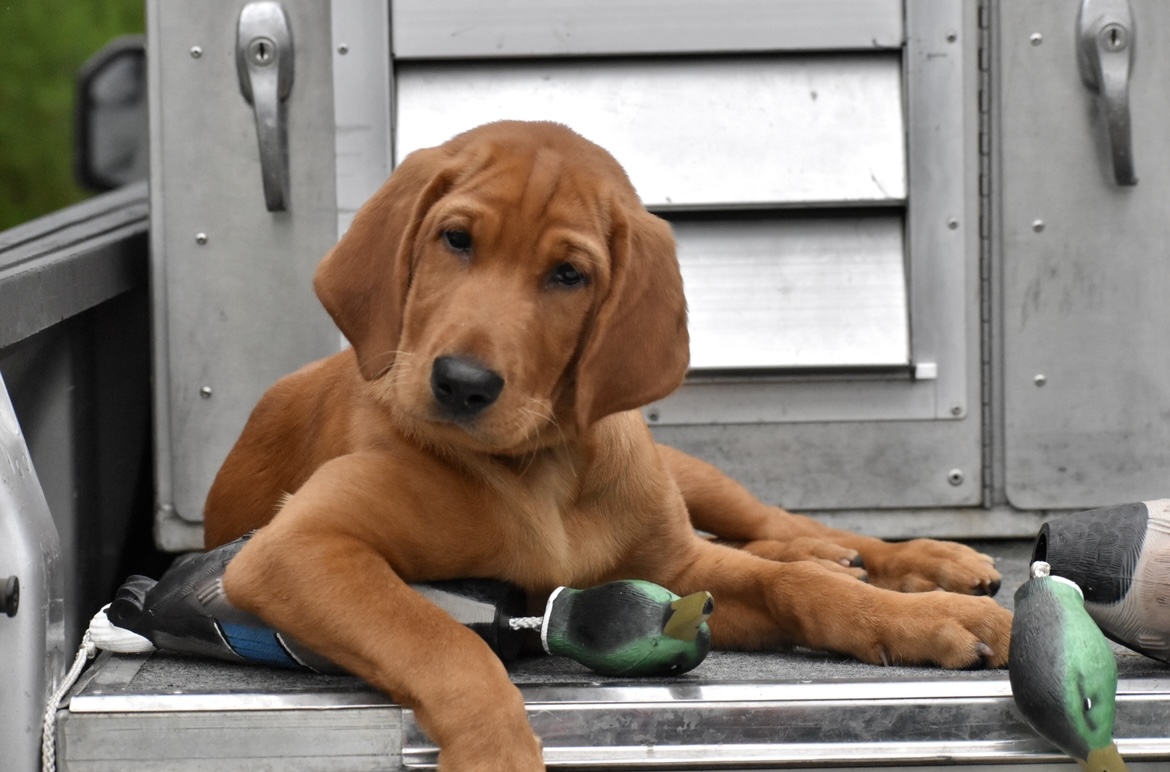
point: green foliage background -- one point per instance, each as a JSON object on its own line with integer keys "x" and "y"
{"x": 42, "y": 45}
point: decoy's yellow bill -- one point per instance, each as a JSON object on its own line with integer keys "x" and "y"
{"x": 1105, "y": 759}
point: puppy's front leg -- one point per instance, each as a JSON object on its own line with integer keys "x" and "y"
{"x": 323, "y": 572}
{"x": 762, "y": 604}
{"x": 720, "y": 505}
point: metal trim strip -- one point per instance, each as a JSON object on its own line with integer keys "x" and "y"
{"x": 60, "y": 265}
{"x": 469, "y": 28}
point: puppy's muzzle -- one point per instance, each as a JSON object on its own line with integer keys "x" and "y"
{"x": 463, "y": 388}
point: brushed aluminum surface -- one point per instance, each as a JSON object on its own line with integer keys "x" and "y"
{"x": 788, "y": 293}
{"x": 696, "y": 132}
{"x": 1086, "y": 379}
{"x": 474, "y": 29}
{"x": 231, "y": 282}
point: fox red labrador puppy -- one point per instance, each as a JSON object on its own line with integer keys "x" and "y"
{"x": 510, "y": 304}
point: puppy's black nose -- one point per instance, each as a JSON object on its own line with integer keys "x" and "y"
{"x": 463, "y": 388}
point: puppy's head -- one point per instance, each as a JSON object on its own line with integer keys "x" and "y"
{"x": 506, "y": 288}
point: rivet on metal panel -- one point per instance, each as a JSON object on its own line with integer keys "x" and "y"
{"x": 953, "y": 223}
{"x": 1036, "y": 38}
{"x": 955, "y": 477}
{"x": 652, "y": 416}
{"x": 200, "y": 238}
{"x": 343, "y": 49}
{"x": 956, "y": 410}
{"x": 196, "y": 52}
{"x": 952, "y": 36}
{"x": 1040, "y": 379}
{"x": 1038, "y": 225}
{"x": 205, "y": 392}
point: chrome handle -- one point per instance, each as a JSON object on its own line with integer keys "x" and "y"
{"x": 264, "y": 59}
{"x": 11, "y": 596}
{"x": 1105, "y": 43}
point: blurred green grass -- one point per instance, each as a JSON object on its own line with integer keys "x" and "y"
{"x": 42, "y": 45}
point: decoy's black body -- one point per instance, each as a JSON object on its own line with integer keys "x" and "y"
{"x": 1120, "y": 558}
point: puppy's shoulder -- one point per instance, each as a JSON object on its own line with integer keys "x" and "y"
{"x": 620, "y": 447}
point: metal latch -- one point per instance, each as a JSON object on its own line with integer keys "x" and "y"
{"x": 1105, "y": 44}
{"x": 264, "y": 58}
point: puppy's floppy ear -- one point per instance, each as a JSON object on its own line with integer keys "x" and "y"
{"x": 364, "y": 279}
{"x": 638, "y": 348}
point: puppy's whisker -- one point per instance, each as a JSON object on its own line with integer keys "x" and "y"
{"x": 543, "y": 415}
{"x": 402, "y": 365}
{"x": 546, "y": 413}
{"x": 531, "y": 434}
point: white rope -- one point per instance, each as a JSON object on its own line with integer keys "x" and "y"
{"x": 49, "y": 727}
{"x": 525, "y": 623}
{"x": 101, "y": 635}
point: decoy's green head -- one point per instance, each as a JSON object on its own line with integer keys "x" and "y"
{"x": 1063, "y": 673}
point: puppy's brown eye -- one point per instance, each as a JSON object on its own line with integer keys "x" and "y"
{"x": 459, "y": 240}
{"x": 567, "y": 275}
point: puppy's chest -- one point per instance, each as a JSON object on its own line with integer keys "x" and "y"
{"x": 561, "y": 537}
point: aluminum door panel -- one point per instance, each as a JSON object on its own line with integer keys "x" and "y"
{"x": 742, "y": 131}
{"x": 234, "y": 308}
{"x": 844, "y": 465}
{"x": 801, "y": 292}
{"x": 457, "y": 29}
{"x": 1085, "y": 317}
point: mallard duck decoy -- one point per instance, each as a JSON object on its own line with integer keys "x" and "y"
{"x": 187, "y": 611}
{"x": 1062, "y": 671}
{"x": 628, "y": 628}
{"x": 1120, "y": 557}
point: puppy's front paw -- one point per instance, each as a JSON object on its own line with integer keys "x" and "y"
{"x": 922, "y": 565}
{"x": 952, "y": 632}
